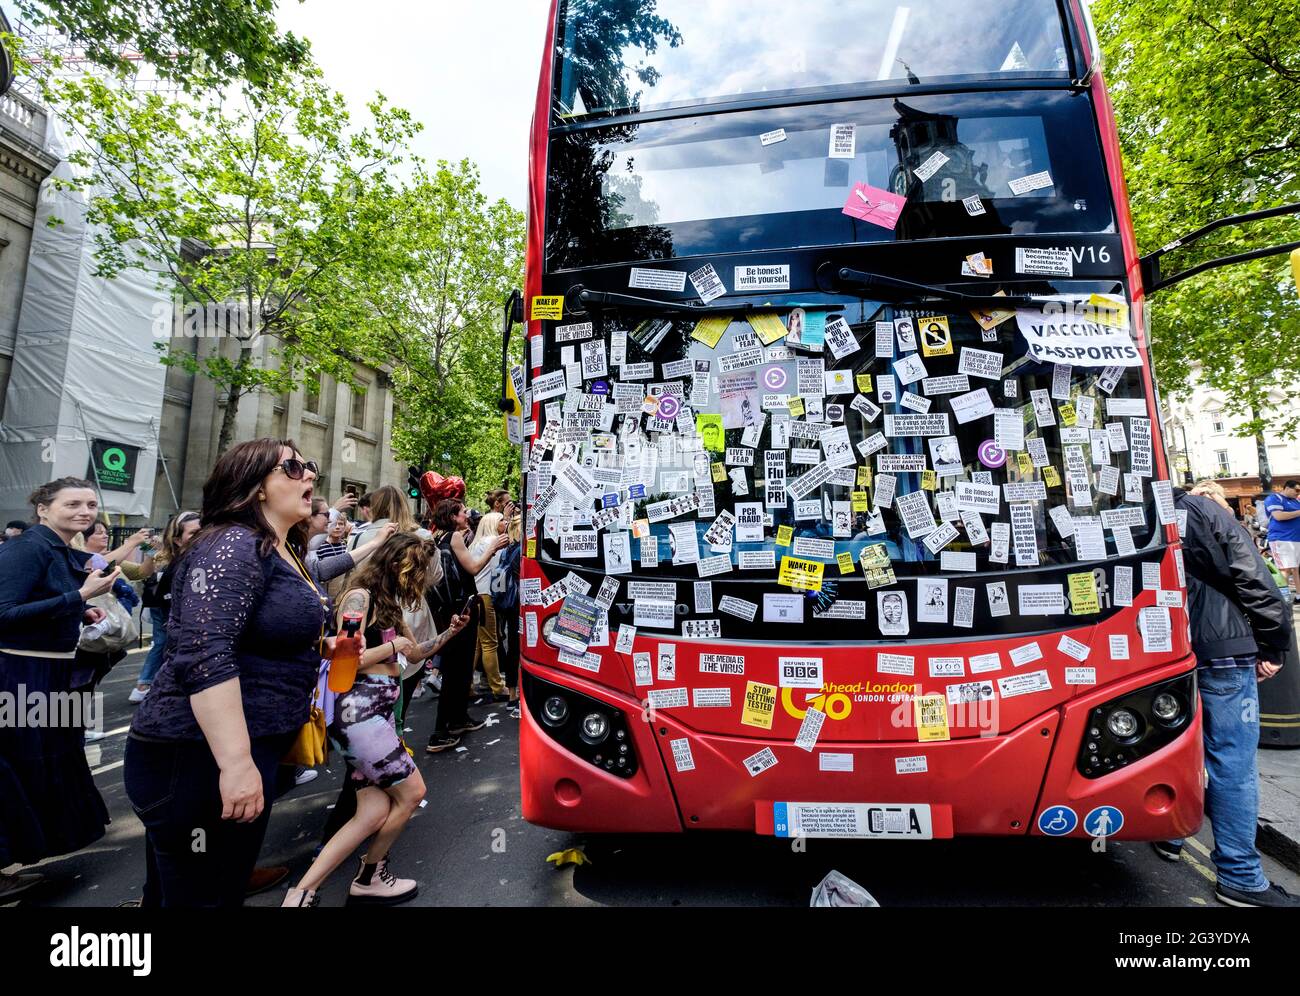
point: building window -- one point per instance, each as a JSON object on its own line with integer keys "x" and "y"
{"x": 311, "y": 394}
{"x": 1222, "y": 457}
{"x": 1217, "y": 425}
{"x": 359, "y": 395}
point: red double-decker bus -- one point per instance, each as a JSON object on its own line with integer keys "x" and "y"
{"x": 848, "y": 510}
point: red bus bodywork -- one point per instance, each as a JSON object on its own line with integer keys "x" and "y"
{"x": 989, "y": 781}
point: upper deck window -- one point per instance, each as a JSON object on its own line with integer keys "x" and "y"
{"x": 639, "y": 55}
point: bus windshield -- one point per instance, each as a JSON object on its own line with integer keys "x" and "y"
{"x": 962, "y": 164}
{"x": 638, "y": 55}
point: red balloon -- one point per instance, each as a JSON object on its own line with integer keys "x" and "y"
{"x": 434, "y": 487}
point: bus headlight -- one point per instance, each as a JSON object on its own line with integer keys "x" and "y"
{"x": 595, "y": 727}
{"x": 555, "y": 711}
{"x": 601, "y": 735}
{"x": 1166, "y": 707}
{"x": 1134, "y": 725}
{"x": 1122, "y": 724}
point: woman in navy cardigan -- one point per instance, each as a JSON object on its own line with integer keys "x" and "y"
{"x": 244, "y": 646}
{"x": 48, "y": 801}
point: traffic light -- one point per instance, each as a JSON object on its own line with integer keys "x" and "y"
{"x": 413, "y": 475}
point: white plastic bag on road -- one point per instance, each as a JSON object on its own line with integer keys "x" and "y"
{"x": 840, "y": 890}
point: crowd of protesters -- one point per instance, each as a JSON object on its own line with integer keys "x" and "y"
{"x": 247, "y": 599}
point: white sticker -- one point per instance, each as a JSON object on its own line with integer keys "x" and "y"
{"x": 1049, "y": 262}
{"x": 1029, "y": 652}
{"x": 1024, "y": 684}
{"x": 771, "y": 138}
{"x": 911, "y": 765}
{"x": 896, "y": 664}
{"x": 762, "y": 278}
{"x": 711, "y": 698}
{"x": 707, "y": 283}
{"x": 843, "y": 144}
{"x": 999, "y": 604}
{"x": 668, "y": 698}
{"x": 1073, "y": 648}
{"x": 980, "y": 363}
{"x": 722, "y": 664}
{"x": 799, "y": 672}
{"x": 668, "y": 280}
{"x": 1118, "y": 647}
{"x": 1041, "y": 599}
{"x": 834, "y": 762}
{"x": 682, "y": 754}
{"x": 931, "y": 166}
{"x": 973, "y": 205}
{"x": 1081, "y": 676}
{"x": 756, "y": 764}
{"x": 1034, "y": 181}
{"x": 810, "y": 729}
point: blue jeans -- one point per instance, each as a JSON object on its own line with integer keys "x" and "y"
{"x": 154, "y": 661}
{"x": 1230, "y": 714}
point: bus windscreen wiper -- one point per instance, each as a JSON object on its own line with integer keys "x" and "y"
{"x": 578, "y": 298}
{"x": 886, "y": 288}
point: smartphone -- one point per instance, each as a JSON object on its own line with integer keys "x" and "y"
{"x": 468, "y": 602}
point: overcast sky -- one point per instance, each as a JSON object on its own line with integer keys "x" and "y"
{"x": 467, "y": 71}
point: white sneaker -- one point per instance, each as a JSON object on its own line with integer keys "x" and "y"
{"x": 305, "y": 775}
{"x": 137, "y": 694}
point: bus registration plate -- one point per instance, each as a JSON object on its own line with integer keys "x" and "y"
{"x": 852, "y": 819}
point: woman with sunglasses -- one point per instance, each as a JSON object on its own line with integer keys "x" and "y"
{"x": 243, "y": 651}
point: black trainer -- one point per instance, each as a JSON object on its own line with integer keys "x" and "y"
{"x": 440, "y": 742}
{"x": 471, "y": 724}
{"x": 1274, "y": 895}
{"x": 1167, "y": 849}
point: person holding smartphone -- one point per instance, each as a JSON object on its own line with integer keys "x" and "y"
{"x": 48, "y": 801}
{"x": 456, "y": 590}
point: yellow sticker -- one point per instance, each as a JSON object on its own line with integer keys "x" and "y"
{"x": 1026, "y": 464}
{"x": 548, "y": 307}
{"x": 769, "y": 327}
{"x": 710, "y": 330}
{"x": 936, "y": 337}
{"x": 719, "y": 472}
{"x": 874, "y": 555}
{"x": 532, "y": 548}
{"x": 845, "y": 560}
{"x": 760, "y": 704}
{"x": 1107, "y": 310}
{"x": 784, "y": 535}
{"x": 859, "y": 498}
{"x": 1050, "y": 477}
{"x": 1068, "y": 416}
{"x": 796, "y": 407}
{"x": 712, "y": 435}
{"x": 988, "y": 318}
{"x": 928, "y": 480}
{"x": 1083, "y": 594}
{"x": 931, "y": 717}
{"x": 801, "y": 575}
{"x": 864, "y": 382}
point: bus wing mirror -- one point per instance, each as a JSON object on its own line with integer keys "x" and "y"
{"x": 1153, "y": 279}
{"x": 512, "y": 312}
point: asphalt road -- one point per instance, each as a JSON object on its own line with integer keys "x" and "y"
{"x": 469, "y": 846}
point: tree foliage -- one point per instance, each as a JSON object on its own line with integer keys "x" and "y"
{"x": 1207, "y": 98}
{"x": 265, "y": 203}
{"x": 435, "y": 307}
{"x": 195, "y": 43}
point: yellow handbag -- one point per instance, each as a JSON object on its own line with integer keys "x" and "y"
{"x": 312, "y": 745}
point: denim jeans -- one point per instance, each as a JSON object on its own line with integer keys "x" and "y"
{"x": 1230, "y": 714}
{"x": 158, "y": 617}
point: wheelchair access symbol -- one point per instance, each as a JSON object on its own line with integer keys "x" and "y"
{"x": 1104, "y": 821}
{"x": 1057, "y": 821}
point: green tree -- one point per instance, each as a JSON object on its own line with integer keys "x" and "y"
{"x": 195, "y": 43}
{"x": 434, "y": 309}
{"x": 266, "y": 204}
{"x": 1207, "y": 98}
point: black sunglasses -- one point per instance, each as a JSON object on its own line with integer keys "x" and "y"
{"x": 294, "y": 469}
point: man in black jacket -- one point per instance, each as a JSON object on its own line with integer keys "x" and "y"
{"x": 1240, "y": 628}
